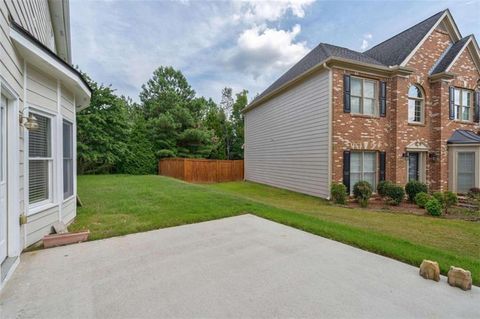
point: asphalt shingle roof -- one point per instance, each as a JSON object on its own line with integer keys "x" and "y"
{"x": 395, "y": 50}
{"x": 450, "y": 56}
{"x": 464, "y": 137}
{"x": 313, "y": 58}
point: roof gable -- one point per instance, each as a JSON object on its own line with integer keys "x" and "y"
{"x": 400, "y": 48}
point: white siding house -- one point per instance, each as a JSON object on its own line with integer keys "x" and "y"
{"x": 287, "y": 138}
{"x": 37, "y": 165}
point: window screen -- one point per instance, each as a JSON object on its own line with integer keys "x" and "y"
{"x": 40, "y": 160}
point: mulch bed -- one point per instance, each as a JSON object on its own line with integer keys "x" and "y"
{"x": 377, "y": 204}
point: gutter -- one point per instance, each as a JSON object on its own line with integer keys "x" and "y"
{"x": 393, "y": 70}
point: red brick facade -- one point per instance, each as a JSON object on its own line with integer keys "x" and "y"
{"x": 392, "y": 134}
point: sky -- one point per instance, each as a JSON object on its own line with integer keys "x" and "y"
{"x": 238, "y": 44}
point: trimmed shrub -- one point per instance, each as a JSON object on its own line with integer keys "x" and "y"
{"x": 362, "y": 191}
{"x": 434, "y": 207}
{"x": 422, "y": 198}
{"x": 474, "y": 197}
{"x": 382, "y": 188}
{"x": 338, "y": 193}
{"x": 395, "y": 194}
{"x": 446, "y": 199}
{"x": 413, "y": 188}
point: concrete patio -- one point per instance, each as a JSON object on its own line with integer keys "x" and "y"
{"x": 235, "y": 267}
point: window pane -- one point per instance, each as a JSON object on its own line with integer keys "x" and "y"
{"x": 369, "y": 160}
{"x": 466, "y": 114}
{"x": 465, "y": 171}
{"x": 67, "y": 159}
{"x": 39, "y": 140}
{"x": 356, "y": 87}
{"x": 414, "y": 91}
{"x": 456, "y": 96}
{"x": 369, "y": 106}
{"x": 38, "y": 180}
{"x": 355, "y": 104}
{"x": 371, "y": 178}
{"x": 369, "y": 89}
{"x": 356, "y": 162}
{"x": 465, "y": 98}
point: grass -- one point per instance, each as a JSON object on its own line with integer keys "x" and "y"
{"x": 117, "y": 205}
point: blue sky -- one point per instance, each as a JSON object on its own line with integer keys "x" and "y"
{"x": 240, "y": 44}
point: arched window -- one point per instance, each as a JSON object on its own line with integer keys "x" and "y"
{"x": 415, "y": 105}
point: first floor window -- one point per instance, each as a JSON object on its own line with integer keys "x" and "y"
{"x": 67, "y": 159}
{"x": 363, "y": 96}
{"x": 465, "y": 171}
{"x": 40, "y": 160}
{"x": 363, "y": 168}
{"x": 463, "y": 100}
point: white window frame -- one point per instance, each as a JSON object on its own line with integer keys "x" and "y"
{"x": 362, "y": 96}
{"x": 374, "y": 187}
{"x": 459, "y": 106}
{"x": 50, "y": 201}
{"x": 422, "y": 105}
{"x": 72, "y": 160}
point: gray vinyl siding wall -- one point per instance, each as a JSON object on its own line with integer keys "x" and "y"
{"x": 287, "y": 138}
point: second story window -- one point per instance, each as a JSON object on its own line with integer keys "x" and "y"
{"x": 363, "y": 96}
{"x": 415, "y": 105}
{"x": 463, "y": 100}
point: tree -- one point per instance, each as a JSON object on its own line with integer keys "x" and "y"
{"x": 174, "y": 116}
{"x": 102, "y": 131}
{"x": 237, "y": 121}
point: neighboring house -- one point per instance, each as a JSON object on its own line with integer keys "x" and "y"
{"x": 40, "y": 93}
{"x": 407, "y": 109}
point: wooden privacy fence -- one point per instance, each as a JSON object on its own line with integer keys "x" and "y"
{"x": 201, "y": 170}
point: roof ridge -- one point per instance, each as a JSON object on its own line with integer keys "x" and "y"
{"x": 396, "y": 35}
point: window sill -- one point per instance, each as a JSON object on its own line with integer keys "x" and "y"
{"x": 35, "y": 209}
{"x": 416, "y": 124}
{"x": 464, "y": 122}
{"x": 68, "y": 198}
{"x": 365, "y": 116}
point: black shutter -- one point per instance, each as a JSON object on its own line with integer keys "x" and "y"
{"x": 346, "y": 93}
{"x": 477, "y": 107}
{"x": 451, "y": 103}
{"x": 346, "y": 170}
{"x": 383, "y": 98}
{"x": 382, "y": 166}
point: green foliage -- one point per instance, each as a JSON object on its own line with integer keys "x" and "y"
{"x": 362, "y": 191}
{"x": 395, "y": 194}
{"x": 413, "y": 188}
{"x": 446, "y": 199}
{"x": 382, "y": 188}
{"x": 474, "y": 198}
{"x": 422, "y": 198}
{"x": 433, "y": 207}
{"x": 338, "y": 192}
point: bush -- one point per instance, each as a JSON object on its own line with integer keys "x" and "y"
{"x": 338, "y": 193}
{"x": 395, "y": 194}
{"x": 433, "y": 207}
{"x": 413, "y": 188}
{"x": 446, "y": 199}
{"x": 382, "y": 188}
{"x": 474, "y": 197}
{"x": 362, "y": 191}
{"x": 421, "y": 199}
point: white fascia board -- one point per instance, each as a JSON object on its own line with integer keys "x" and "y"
{"x": 42, "y": 60}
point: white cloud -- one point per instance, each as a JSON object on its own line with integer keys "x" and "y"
{"x": 263, "y": 51}
{"x": 260, "y": 11}
{"x": 366, "y": 41}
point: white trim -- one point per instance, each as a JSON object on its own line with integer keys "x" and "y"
{"x": 26, "y": 182}
{"x": 458, "y": 55}
{"x": 13, "y": 175}
{"x": 465, "y": 46}
{"x": 457, "y": 37}
{"x": 30, "y": 51}
{"x": 59, "y": 153}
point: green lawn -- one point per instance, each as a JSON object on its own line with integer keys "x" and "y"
{"x": 118, "y": 204}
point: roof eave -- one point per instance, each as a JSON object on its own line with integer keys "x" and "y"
{"x": 329, "y": 62}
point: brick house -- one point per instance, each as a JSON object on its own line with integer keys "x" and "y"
{"x": 407, "y": 109}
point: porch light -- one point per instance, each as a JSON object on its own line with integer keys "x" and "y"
{"x": 29, "y": 122}
{"x": 433, "y": 156}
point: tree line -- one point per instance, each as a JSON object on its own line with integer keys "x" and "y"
{"x": 118, "y": 135}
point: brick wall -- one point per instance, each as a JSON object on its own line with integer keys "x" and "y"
{"x": 393, "y": 133}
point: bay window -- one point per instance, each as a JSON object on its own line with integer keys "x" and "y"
{"x": 67, "y": 159}
{"x": 363, "y": 96}
{"x": 40, "y": 161}
{"x": 363, "y": 168}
